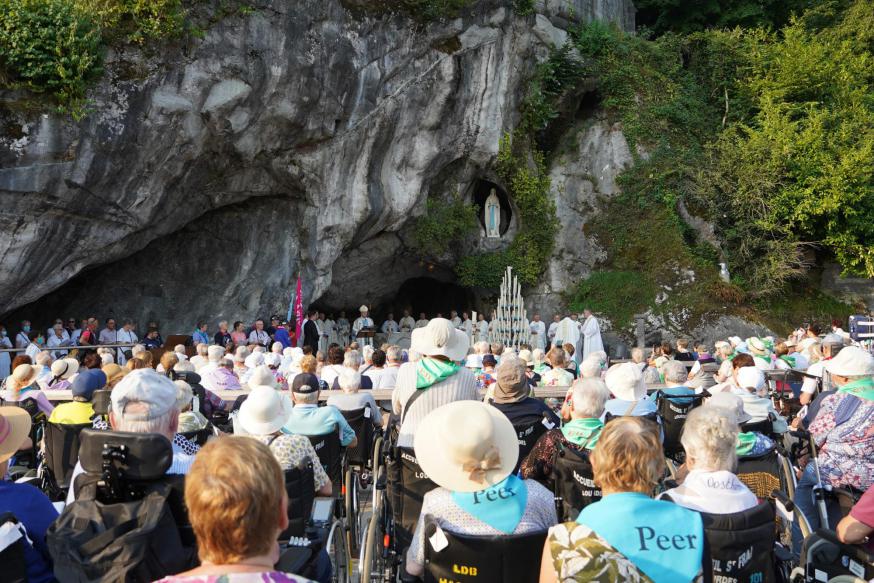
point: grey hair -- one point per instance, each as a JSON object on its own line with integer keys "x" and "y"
{"x": 709, "y": 438}
{"x": 307, "y": 398}
{"x": 183, "y": 366}
{"x": 184, "y": 395}
{"x": 589, "y": 396}
{"x": 482, "y": 347}
{"x": 637, "y": 355}
{"x": 137, "y": 349}
{"x": 675, "y": 371}
{"x": 43, "y": 358}
{"x": 349, "y": 381}
{"x": 590, "y": 368}
{"x": 202, "y": 348}
{"x": 352, "y": 359}
{"x": 394, "y": 354}
{"x": 367, "y": 353}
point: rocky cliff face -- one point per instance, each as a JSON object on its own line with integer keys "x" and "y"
{"x": 301, "y": 138}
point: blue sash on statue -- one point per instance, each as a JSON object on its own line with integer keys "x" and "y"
{"x": 500, "y": 506}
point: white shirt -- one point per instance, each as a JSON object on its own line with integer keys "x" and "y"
{"x": 421, "y": 323}
{"x": 388, "y": 377}
{"x": 32, "y": 350}
{"x": 389, "y": 326}
{"x": 331, "y": 372}
{"x": 256, "y": 337}
{"x": 816, "y": 369}
{"x": 54, "y": 341}
{"x": 108, "y": 336}
{"x": 126, "y": 337}
{"x": 552, "y": 328}
{"x": 713, "y": 492}
{"x": 407, "y": 324}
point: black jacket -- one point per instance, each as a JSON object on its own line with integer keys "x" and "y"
{"x": 311, "y": 335}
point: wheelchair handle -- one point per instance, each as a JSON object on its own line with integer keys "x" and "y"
{"x": 787, "y": 502}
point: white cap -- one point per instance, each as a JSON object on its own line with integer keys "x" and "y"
{"x": 852, "y": 361}
{"x": 261, "y": 376}
{"x": 272, "y": 359}
{"x": 625, "y": 381}
{"x": 254, "y": 360}
{"x": 215, "y": 353}
{"x": 144, "y": 385}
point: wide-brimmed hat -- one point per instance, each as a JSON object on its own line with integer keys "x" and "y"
{"x": 14, "y": 428}
{"x": 852, "y": 361}
{"x": 440, "y": 338}
{"x": 272, "y": 359}
{"x": 466, "y": 446}
{"x": 731, "y": 402}
{"x": 511, "y": 384}
{"x": 65, "y": 368}
{"x": 24, "y": 374}
{"x": 625, "y": 381}
{"x": 264, "y": 411}
{"x": 261, "y": 376}
{"x": 254, "y": 360}
{"x": 112, "y": 372}
{"x": 757, "y": 346}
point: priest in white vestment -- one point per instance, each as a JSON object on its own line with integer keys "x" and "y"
{"x": 482, "y": 328}
{"x": 553, "y": 327}
{"x": 568, "y": 332}
{"x": 591, "y": 334}
{"x": 407, "y": 323}
{"x": 538, "y": 333}
{"x": 363, "y": 321}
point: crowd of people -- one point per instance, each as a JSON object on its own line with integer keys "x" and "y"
{"x": 457, "y": 400}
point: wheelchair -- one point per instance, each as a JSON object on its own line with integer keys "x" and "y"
{"x": 573, "y": 482}
{"x": 59, "y": 456}
{"x": 125, "y": 500}
{"x": 482, "y": 559}
{"x": 359, "y": 470}
{"x": 826, "y": 559}
{"x": 12, "y": 553}
{"x": 528, "y": 432}
{"x": 332, "y": 456}
{"x": 673, "y": 410}
{"x": 399, "y": 488}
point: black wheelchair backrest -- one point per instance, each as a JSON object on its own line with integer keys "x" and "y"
{"x": 740, "y": 546}
{"x": 330, "y": 454}
{"x": 673, "y": 410}
{"x": 141, "y": 456}
{"x": 407, "y": 486}
{"x": 528, "y": 432}
{"x": 482, "y": 559}
{"x": 300, "y": 487}
{"x": 361, "y": 421}
{"x": 765, "y": 427}
{"x": 101, "y": 401}
{"x": 62, "y": 451}
{"x": 573, "y": 482}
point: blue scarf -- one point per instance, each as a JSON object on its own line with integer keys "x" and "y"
{"x": 500, "y": 506}
{"x": 664, "y": 540}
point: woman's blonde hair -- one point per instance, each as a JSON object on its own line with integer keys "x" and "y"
{"x": 308, "y": 364}
{"x": 709, "y": 438}
{"x": 137, "y": 362}
{"x": 628, "y": 457}
{"x": 556, "y": 357}
{"x": 234, "y": 495}
{"x": 169, "y": 360}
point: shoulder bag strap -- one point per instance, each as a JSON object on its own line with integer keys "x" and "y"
{"x": 630, "y": 409}
{"x": 410, "y": 402}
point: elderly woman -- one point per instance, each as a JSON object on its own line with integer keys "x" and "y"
{"x": 349, "y": 398}
{"x": 580, "y": 433}
{"x": 730, "y": 384}
{"x": 21, "y": 387}
{"x": 236, "y": 500}
{"x": 489, "y": 500}
{"x": 558, "y": 376}
{"x": 63, "y": 371}
{"x": 351, "y": 362}
{"x": 79, "y": 410}
{"x": 626, "y": 536}
{"x": 709, "y": 438}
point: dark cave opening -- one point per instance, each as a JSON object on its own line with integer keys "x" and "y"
{"x": 432, "y": 296}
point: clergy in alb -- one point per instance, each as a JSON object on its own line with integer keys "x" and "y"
{"x": 591, "y": 334}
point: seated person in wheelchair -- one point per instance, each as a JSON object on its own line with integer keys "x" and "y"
{"x": 307, "y": 418}
{"x": 352, "y": 398}
{"x": 190, "y": 421}
{"x": 625, "y": 382}
{"x": 586, "y": 405}
{"x": 80, "y": 411}
{"x": 436, "y": 376}
{"x": 627, "y": 536}
{"x": 237, "y": 505}
{"x": 30, "y": 506}
{"x": 709, "y": 438}
{"x": 749, "y": 443}
{"x": 856, "y": 527}
{"x": 262, "y": 416}
{"x": 831, "y": 347}
{"x": 22, "y": 388}
{"x": 754, "y": 391}
{"x": 511, "y": 390}
{"x": 843, "y": 433}
{"x": 145, "y": 402}
{"x": 676, "y": 374}
{"x": 469, "y": 450}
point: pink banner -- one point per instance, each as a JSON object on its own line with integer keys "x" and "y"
{"x": 298, "y": 313}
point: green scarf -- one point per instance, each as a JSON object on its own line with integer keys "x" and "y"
{"x": 790, "y": 360}
{"x": 745, "y": 443}
{"x": 864, "y": 388}
{"x": 430, "y": 371}
{"x": 583, "y": 432}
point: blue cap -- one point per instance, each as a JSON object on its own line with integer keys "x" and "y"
{"x": 88, "y": 381}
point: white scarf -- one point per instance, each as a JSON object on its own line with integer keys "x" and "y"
{"x": 713, "y": 492}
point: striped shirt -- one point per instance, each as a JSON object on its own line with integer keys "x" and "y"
{"x": 459, "y": 387}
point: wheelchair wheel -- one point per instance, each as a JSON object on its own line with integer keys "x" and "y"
{"x": 350, "y": 501}
{"x": 372, "y": 566}
{"x": 788, "y": 477}
{"x": 341, "y": 565}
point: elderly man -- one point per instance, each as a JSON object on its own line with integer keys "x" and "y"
{"x": 831, "y": 346}
{"x": 57, "y": 338}
{"x": 843, "y": 434}
{"x": 145, "y": 402}
{"x": 433, "y": 380}
{"x": 388, "y": 378}
{"x": 362, "y": 322}
{"x": 307, "y": 418}
{"x": 588, "y": 397}
{"x": 351, "y": 398}
{"x": 511, "y": 395}
{"x": 109, "y": 335}
{"x": 390, "y": 327}
{"x": 676, "y": 374}
{"x": 352, "y": 361}
{"x": 259, "y": 335}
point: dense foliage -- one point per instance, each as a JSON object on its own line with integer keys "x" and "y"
{"x": 621, "y": 294}
{"x": 444, "y": 223}
{"x": 48, "y": 46}
{"x": 684, "y": 16}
